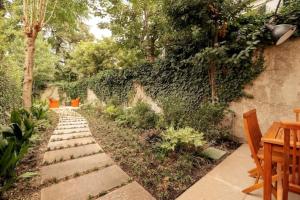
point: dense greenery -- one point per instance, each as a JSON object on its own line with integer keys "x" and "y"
{"x": 14, "y": 143}
{"x": 140, "y": 116}
{"x": 16, "y": 139}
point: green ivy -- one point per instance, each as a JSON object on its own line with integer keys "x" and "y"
{"x": 184, "y": 74}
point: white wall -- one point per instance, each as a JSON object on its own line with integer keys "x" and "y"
{"x": 270, "y": 5}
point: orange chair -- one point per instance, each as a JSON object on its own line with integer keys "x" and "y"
{"x": 54, "y": 103}
{"x": 75, "y": 102}
{"x": 253, "y": 135}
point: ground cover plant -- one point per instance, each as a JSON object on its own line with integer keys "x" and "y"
{"x": 166, "y": 161}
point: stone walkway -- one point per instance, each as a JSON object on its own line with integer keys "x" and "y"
{"x": 227, "y": 180}
{"x": 76, "y": 168}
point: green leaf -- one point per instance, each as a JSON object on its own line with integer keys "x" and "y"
{"x": 27, "y": 175}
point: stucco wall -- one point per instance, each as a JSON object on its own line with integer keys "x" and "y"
{"x": 276, "y": 91}
{"x": 140, "y": 95}
{"x": 50, "y": 92}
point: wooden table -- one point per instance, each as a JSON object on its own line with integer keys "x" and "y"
{"x": 272, "y": 139}
{"x": 274, "y": 142}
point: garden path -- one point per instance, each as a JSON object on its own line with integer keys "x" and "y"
{"x": 75, "y": 167}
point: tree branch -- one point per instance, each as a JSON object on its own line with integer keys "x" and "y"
{"x": 51, "y": 13}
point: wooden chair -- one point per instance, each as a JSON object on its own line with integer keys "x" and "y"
{"x": 253, "y": 135}
{"x": 297, "y": 112}
{"x": 291, "y": 164}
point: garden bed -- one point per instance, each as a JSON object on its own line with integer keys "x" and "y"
{"x": 165, "y": 177}
{"x": 28, "y": 188}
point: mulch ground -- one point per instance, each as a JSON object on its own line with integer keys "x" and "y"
{"x": 29, "y": 188}
{"x": 136, "y": 153}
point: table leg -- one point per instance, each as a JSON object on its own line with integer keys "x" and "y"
{"x": 279, "y": 182}
{"x": 267, "y": 171}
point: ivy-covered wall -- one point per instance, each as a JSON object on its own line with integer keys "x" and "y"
{"x": 164, "y": 79}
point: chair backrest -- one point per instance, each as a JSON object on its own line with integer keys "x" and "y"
{"x": 291, "y": 175}
{"x": 297, "y": 112}
{"x": 252, "y": 131}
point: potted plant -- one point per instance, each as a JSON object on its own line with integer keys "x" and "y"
{"x": 53, "y": 103}
{"x": 75, "y": 102}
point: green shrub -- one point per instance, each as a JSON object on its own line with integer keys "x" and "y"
{"x": 206, "y": 116}
{"x": 145, "y": 118}
{"x": 127, "y": 119}
{"x": 14, "y": 143}
{"x": 24, "y": 119}
{"x": 140, "y": 116}
{"x": 174, "y": 111}
{"x": 185, "y": 138}
{"x": 10, "y": 94}
{"x": 39, "y": 110}
{"x": 112, "y": 111}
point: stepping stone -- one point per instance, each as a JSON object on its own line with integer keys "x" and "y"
{"x": 71, "y": 126}
{"x": 83, "y": 187}
{"x": 214, "y": 153}
{"x": 70, "y": 167}
{"x": 74, "y": 130}
{"x": 75, "y": 152}
{"x": 132, "y": 191}
{"x": 71, "y": 143}
{"x": 72, "y": 118}
{"x": 70, "y": 136}
{"x": 72, "y": 123}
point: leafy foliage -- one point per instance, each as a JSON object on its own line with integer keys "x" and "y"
{"x": 14, "y": 143}
{"x": 143, "y": 116}
{"x": 10, "y": 94}
{"x": 39, "y": 110}
{"x": 140, "y": 116}
{"x": 89, "y": 58}
{"x": 186, "y": 138}
{"x": 136, "y": 25}
{"x": 113, "y": 111}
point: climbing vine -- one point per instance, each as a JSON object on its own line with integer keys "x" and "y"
{"x": 183, "y": 73}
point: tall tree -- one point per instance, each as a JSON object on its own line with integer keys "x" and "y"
{"x": 206, "y": 22}
{"x": 36, "y": 15}
{"x": 34, "y": 20}
{"x": 135, "y": 24}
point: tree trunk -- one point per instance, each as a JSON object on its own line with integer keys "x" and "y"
{"x": 212, "y": 80}
{"x": 213, "y": 69}
{"x": 2, "y": 6}
{"x": 28, "y": 71}
{"x": 151, "y": 50}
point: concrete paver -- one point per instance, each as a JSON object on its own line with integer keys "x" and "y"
{"x": 132, "y": 191}
{"x": 82, "y": 187}
{"x": 72, "y": 126}
{"x": 75, "y": 152}
{"x": 71, "y": 142}
{"x": 73, "y": 130}
{"x": 70, "y": 167}
{"x": 70, "y": 136}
